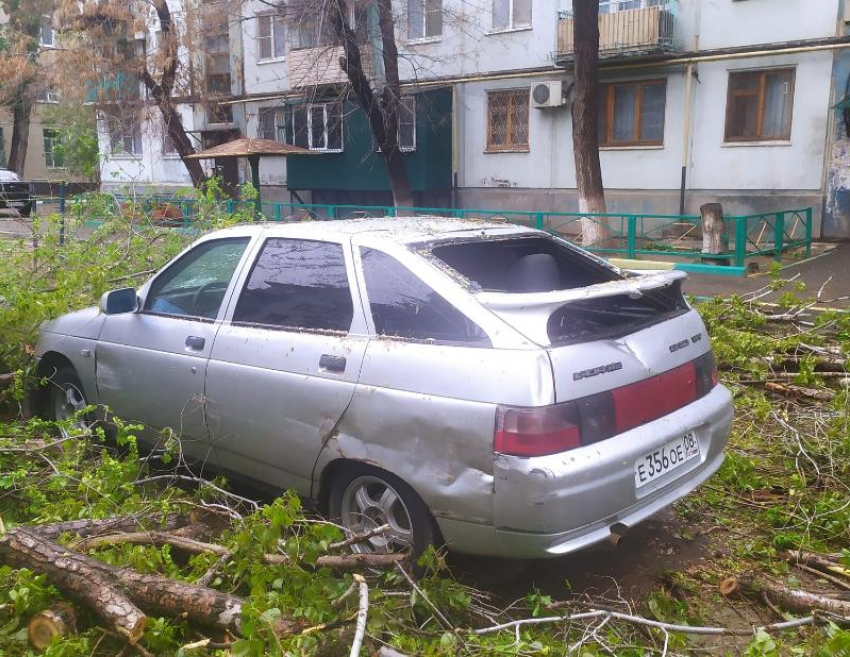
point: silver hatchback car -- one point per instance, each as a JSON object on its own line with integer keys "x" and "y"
{"x": 482, "y": 385}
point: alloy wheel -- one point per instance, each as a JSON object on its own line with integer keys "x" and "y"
{"x": 369, "y": 502}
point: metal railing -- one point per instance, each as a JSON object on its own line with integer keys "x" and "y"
{"x": 632, "y": 235}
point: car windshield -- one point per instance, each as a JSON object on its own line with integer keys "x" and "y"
{"x": 543, "y": 264}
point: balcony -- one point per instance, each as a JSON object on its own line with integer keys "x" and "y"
{"x": 312, "y": 67}
{"x": 626, "y": 28}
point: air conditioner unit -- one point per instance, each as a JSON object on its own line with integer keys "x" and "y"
{"x": 548, "y": 94}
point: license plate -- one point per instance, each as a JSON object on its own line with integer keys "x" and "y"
{"x": 17, "y": 204}
{"x": 665, "y": 459}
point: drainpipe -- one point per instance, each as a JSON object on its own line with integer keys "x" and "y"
{"x": 455, "y": 151}
{"x": 686, "y": 135}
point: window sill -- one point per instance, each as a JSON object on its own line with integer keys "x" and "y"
{"x": 509, "y": 30}
{"x": 634, "y": 147}
{"x": 423, "y": 40}
{"x": 490, "y": 151}
{"x": 125, "y": 156}
{"x": 271, "y": 60}
{"x": 746, "y": 144}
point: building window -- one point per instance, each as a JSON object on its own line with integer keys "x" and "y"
{"x": 219, "y": 114}
{"x": 217, "y": 56}
{"x": 271, "y": 35}
{"x": 321, "y": 124}
{"x": 424, "y": 19}
{"x": 507, "y": 120}
{"x": 613, "y": 6}
{"x": 759, "y": 105}
{"x": 46, "y": 32}
{"x": 632, "y": 113}
{"x": 54, "y": 158}
{"x": 407, "y": 123}
{"x": 272, "y": 124}
{"x": 125, "y": 135}
{"x": 511, "y": 14}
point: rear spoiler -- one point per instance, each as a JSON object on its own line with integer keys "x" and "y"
{"x": 529, "y": 312}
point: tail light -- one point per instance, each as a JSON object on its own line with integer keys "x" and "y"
{"x": 560, "y": 427}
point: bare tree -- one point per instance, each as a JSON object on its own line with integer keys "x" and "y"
{"x": 596, "y": 231}
{"x": 21, "y": 74}
{"x": 105, "y": 49}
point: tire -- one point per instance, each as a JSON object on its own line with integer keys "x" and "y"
{"x": 26, "y": 210}
{"x": 363, "y": 497}
{"x": 64, "y": 398}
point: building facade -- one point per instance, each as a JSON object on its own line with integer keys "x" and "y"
{"x": 700, "y": 100}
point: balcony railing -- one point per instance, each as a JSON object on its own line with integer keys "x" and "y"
{"x": 310, "y": 67}
{"x": 625, "y": 27}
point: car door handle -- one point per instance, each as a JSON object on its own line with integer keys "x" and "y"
{"x": 195, "y": 342}
{"x": 328, "y": 363}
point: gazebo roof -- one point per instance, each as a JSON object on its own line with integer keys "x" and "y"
{"x": 249, "y": 148}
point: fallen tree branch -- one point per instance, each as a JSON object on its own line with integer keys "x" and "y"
{"x": 799, "y": 391}
{"x": 362, "y": 614}
{"x": 795, "y": 600}
{"x": 349, "y": 562}
{"x": 817, "y": 561}
{"x": 646, "y": 622}
{"x": 359, "y": 538}
{"x": 88, "y": 528}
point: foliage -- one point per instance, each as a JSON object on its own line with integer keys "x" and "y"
{"x": 77, "y": 145}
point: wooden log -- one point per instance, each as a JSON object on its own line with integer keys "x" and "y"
{"x": 714, "y": 239}
{"x": 76, "y": 576}
{"x": 60, "y": 620}
{"x": 118, "y": 594}
{"x": 794, "y": 600}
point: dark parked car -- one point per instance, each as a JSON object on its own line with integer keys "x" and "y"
{"x": 14, "y": 193}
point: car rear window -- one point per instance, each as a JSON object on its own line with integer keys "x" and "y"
{"x": 544, "y": 264}
{"x": 404, "y": 306}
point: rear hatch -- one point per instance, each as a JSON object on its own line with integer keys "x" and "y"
{"x": 602, "y": 330}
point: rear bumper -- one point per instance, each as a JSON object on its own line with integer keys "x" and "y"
{"x": 553, "y": 505}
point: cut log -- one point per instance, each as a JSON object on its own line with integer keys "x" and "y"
{"x": 794, "y": 600}
{"x": 715, "y": 241}
{"x": 60, "y": 620}
{"x": 118, "y": 594}
{"x": 77, "y": 576}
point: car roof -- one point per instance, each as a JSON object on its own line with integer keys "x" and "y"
{"x": 401, "y": 230}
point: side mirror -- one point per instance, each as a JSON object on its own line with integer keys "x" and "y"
{"x": 118, "y": 302}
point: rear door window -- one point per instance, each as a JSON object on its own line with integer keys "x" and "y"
{"x": 297, "y": 284}
{"x": 194, "y": 286}
{"x": 403, "y": 306}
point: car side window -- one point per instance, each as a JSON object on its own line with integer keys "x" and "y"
{"x": 403, "y": 306}
{"x": 194, "y": 286}
{"x": 301, "y": 284}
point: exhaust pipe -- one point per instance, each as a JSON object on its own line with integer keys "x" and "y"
{"x": 618, "y": 530}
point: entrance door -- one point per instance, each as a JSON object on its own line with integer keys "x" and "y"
{"x": 284, "y": 369}
{"x": 151, "y": 364}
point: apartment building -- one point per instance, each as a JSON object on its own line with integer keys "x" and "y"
{"x": 737, "y": 101}
{"x": 44, "y": 165}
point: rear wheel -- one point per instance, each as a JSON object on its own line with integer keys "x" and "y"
{"x": 65, "y": 400}
{"x": 363, "y": 498}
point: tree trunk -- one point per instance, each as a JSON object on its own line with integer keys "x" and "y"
{"x": 77, "y": 576}
{"x": 117, "y": 595}
{"x": 21, "y": 115}
{"x": 175, "y": 130}
{"x": 381, "y": 110}
{"x": 596, "y": 231}
{"x": 713, "y": 227}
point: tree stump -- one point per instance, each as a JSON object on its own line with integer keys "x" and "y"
{"x": 715, "y": 241}
{"x": 58, "y": 620}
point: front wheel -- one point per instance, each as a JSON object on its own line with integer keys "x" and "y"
{"x": 65, "y": 400}
{"x": 363, "y": 498}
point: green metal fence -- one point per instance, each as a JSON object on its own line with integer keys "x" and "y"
{"x": 632, "y": 235}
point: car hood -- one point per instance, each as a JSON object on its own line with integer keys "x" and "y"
{"x": 84, "y": 323}
{"x": 8, "y": 176}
